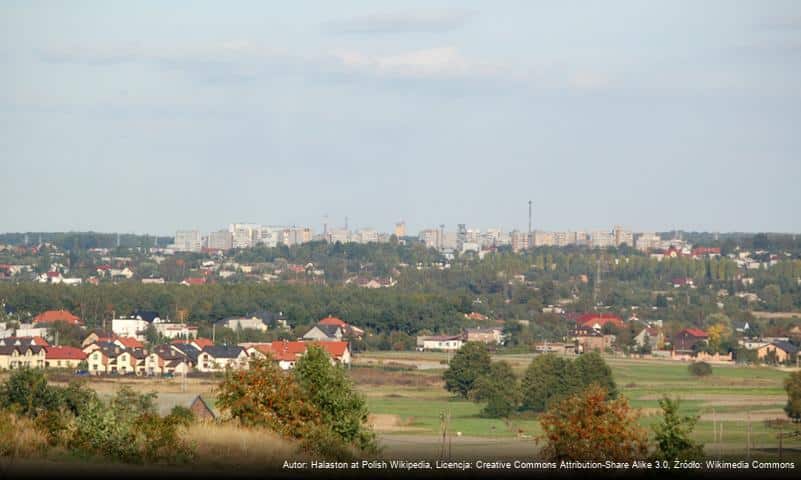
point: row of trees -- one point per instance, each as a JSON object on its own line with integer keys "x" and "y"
{"x": 549, "y": 378}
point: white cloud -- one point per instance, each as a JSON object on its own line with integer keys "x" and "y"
{"x": 424, "y": 20}
{"x": 428, "y": 63}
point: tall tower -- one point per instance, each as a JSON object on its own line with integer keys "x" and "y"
{"x": 529, "y": 217}
{"x": 441, "y": 236}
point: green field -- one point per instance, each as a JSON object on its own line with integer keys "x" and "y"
{"x": 732, "y": 397}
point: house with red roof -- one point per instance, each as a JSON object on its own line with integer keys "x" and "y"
{"x": 194, "y": 281}
{"x": 286, "y": 353}
{"x": 597, "y": 321}
{"x": 201, "y": 343}
{"x": 332, "y": 329}
{"x": 687, "y": 339}
{"x": 129, "y": 343}
{"x": 64, "y": 357}
{"x": 53, "y": 316}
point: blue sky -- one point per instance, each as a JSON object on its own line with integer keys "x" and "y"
{"x": 156, "y": 116}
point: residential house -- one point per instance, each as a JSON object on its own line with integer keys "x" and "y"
{"x": 24, "y": 341}
{"x": 651, "y": 336}
{"x": 64, "y": 357}
{"x": 32, "y": 330}
{"x": 53, "y": 316}
{"x": 688, "y": 338}
{"x": 324, "y": 333}
{"x": 448, "y": 343}
{"x": 597, "y": 321}
{"x": 490, "y": 336}
{"x": 135, "y": 325}
{"x": 244, "y": 323}
{"x": 332, "y": 329}
{"x": 287, "y": 353}
{"x": 102, "y": 357}
{"x": 780, "y": 351}
{"x": 96, "y": 336}
{"x": 217, "y": 358}
{"x": 13, "y": 357}
{"x": 176, "y": 330}
{"x": 588, "y": 339}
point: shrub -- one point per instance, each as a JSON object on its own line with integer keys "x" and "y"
{"x": 673, "y": 433}
{"x": 587, "y": 426}
{"x": 700, "y": 369}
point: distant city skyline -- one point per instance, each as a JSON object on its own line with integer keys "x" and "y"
{"x": 152, "y": 116}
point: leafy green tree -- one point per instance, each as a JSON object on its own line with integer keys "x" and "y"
{"x": 328, "y": 387}
{"x": 468, "y": 364}
{"x": 792, "y": 385}
{"x": 591, "y": 368}
{"x": 548, "y": 378}
{"x": 499, "y": 388}
{"x": 27, "y": 391}
{"x": 673, "y": 434}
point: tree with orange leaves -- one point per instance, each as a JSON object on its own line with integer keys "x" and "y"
{"x": 587, "y": 427}
{"x": 264, "y": 396}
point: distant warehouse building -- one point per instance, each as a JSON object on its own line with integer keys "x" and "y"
{"x": 445, "y": 343}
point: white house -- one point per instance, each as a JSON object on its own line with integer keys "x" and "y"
{"x": 440, "y": 342}
{"x": 135, "y": 324}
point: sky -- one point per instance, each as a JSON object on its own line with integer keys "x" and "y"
{"x": 152, "y": 116}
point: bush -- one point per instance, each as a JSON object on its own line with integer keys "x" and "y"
{"x": 700, "y": 369}
{"x": 586, "y": 427}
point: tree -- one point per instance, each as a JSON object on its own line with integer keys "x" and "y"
{"x": 470, "y": 362}
{"x": 547, "y": 378}
{"x": 499, "y": 388}
{"x": 264, "y": 396}
{"x": 792, "y": 385}
{"x": 673, "y": 433}
{"x": 585, "y": 426}
{"x": 591, "y": 368}
{"x": 27, "y": 390}
{"x": 329, "y": 389}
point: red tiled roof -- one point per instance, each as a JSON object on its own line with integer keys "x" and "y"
{"x": 38, "y": 341}
{"x": 64, "y": 353}
{"x": 202, "y": 342}
{"x": 695, "y": 332}
{"x": 196, "y": 280}
{"x": 288, "y": 351}
{"x": 52, "y": 316}
{"x": 590, "y": 319}
{"x": 130, "y": 342}
{"x": 333, "y": 321}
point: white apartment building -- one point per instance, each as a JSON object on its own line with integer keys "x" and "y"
{"x": 648, "y": 241}
{"x": 222, "y": 240}
{"x": 601, "y": 239}
{"x": 366, "y": 235}
{"x": 519, "y": 240}
{"x": 188, "y": 241}
{"x": 338, "y": 235}
{"x": 543, "y": 239}
{"x": 242, "y": 234}
{"x": 623, "y": 237}
{"x": 296, "y": 236}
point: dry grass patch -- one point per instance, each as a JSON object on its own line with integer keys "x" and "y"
{"x": 227, "y": 444}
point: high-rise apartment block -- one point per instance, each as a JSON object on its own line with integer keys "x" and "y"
{"x": 220, "y": 240}
{"x": 188, "y": 241}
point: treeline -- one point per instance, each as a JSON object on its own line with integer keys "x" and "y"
{"x": 380, "y": 310}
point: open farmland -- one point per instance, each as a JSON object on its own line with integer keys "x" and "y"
{"x": 728, "y": 399}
